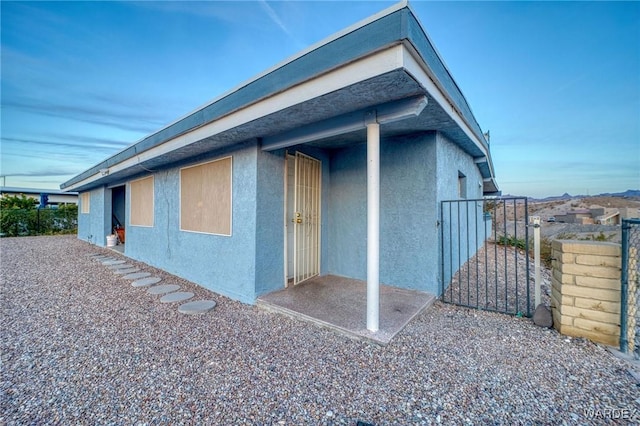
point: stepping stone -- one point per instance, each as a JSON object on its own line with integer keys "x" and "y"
{"x": 162, "y": 289}
{"x": 145, "y": 282}
{"x": 120, "y": 266}
{"x": 178, "y": 296}
{"x": 113, "y": 262}
{"x": 136, "y": 275}
{"x": 103, "y": 258}
{"x": 197, "y": 307}
{"x": 125, "y": 271}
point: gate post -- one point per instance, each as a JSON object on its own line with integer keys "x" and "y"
{"x": 536, "y": 257}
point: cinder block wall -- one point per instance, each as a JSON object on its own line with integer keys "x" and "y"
{"x": 585, "y": 291}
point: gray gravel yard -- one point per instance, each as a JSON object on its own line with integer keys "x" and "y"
{"x": 80, "y": 345}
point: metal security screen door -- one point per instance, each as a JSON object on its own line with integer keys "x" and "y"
{"x": 306, "y": 218}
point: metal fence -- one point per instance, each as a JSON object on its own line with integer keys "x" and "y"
{"x": 630, "y": 289}
{"x": 24, "y": 222}
{"x": 484, "y": 251}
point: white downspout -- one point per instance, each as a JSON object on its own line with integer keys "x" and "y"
{"x": 373, "y": 225}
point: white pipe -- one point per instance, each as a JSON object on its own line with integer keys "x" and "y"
{"x": 536, "y": 257}
{"x": 373, "y": 226}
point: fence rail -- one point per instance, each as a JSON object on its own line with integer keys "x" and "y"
{"x": 485, "y": 261}
{"x": 630, "y": 288}
{"x": 24, "y": 222}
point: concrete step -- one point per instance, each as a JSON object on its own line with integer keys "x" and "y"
{"x": 144, "y": 279}
{"x": 146, "y": 282}
{"x": 162, "y": 289}
{"x": 178, "y": 296}
{"x": 197, "y": 307}
{"x": 136, "y": 275}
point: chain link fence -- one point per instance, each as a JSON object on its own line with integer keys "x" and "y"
{"x": 630, "y": 290}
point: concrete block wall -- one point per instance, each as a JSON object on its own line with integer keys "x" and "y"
{"x": 585, "y": 291}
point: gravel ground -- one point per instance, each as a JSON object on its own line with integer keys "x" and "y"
{"x": 80, "y": 345}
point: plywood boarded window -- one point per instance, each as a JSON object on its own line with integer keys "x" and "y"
{"x": 141, "y": 206}
{"x": 85, "y": 198}
{"x": 205, "y": 197}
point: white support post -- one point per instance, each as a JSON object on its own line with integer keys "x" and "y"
{"x": 373, "y": 225}
{"x": 536, "y": 256}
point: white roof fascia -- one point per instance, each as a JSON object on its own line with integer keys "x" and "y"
{"x": 378, "y": 63}
{"x": 419, "y": 70}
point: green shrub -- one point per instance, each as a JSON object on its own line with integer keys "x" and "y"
{"x": 545, "y": 251}
{"x": 17, "y": 202}
{"x": 16, "y": 222}
{"x": 599, "y": 237}
{"x": 508, "y": 240}
{"x": 566, "y": 236}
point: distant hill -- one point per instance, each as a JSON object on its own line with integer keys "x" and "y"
{"x": 629, "y": 193}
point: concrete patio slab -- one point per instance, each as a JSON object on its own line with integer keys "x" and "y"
{"x": 178, "y": 296}
{"x": 162, "y": 289}
{"x": 146, "y": 282}
{"x": 197, "y": 307}
{"x": 340, "y": 304}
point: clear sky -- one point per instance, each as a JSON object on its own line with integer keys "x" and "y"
{"x": 556, "y": 83}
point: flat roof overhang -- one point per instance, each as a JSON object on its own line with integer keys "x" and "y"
{"x": 387, "y": 76}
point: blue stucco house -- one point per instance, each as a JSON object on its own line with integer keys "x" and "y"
{"x": 333, "y": 162}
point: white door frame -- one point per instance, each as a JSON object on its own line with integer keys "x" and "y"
{"x": 303, "y": 218}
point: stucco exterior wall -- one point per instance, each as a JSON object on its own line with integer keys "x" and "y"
{"x": 407, "y": 212}
{"x": 468, "y": 225}
{"x": 269, "y": 238}
{"x": 224, "y": 264}
{"x": 94, "y": 226}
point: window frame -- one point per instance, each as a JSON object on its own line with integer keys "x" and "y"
{"x": 462, "y": 185}
{"x": 153, "y": 200}
{"x": 85, "y": 202}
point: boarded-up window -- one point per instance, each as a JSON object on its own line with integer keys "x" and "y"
{"x": 141, "y": 206}
{"x": 205, "y": 197}
{"x": 85, "y": 198}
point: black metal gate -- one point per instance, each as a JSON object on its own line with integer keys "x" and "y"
{"x": 630, "y": 288}
{"x": 484, "y": 257}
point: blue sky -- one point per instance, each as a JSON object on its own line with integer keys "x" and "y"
{"x": 556, "y": 83}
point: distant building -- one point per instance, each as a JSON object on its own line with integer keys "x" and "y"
{"x": 599, "y": 215}
{"x": 55, "y": 196}
{"x": 581, "y": 216}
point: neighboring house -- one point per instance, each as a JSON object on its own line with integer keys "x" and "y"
{"x": 580, "y": 216}
{"x": 55, "y": 197}
{"x": 278, "y": 180}
{"x": 608, "y": 218}
{"x": 598, "y": 215}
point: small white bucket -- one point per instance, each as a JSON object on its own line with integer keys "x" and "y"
{"x": 111, "y": 240}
